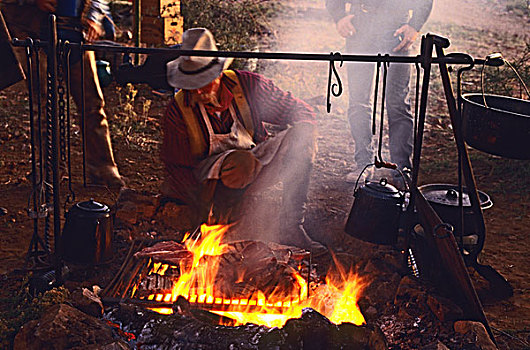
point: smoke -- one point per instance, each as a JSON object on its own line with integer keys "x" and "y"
{"x": 274, "y": 204}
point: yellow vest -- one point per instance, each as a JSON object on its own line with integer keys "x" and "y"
{"x": 197, "y": 142}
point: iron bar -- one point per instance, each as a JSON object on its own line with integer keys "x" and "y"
{"x": 461, "y": 223}
{"x": 376, "y": 93}
{"x": 379, "y": 157}
{"x": 426, "y": 50}
{"x": 33, "y": 250}
{"x": 71, "y": 195}
{"x": 83, "y": 116}
{"x": 448, "y": 59}
{"x": 472, "y": 300}
{"x": 52, "y": 71}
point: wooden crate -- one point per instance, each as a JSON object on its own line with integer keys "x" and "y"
{"x": 161, "y": 22}
{"x": 161, "y": 30}
{"x": 162, "y": 8}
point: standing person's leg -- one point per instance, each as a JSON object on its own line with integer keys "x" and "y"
{"x": 400, "y": 120}
{"x": 360, "y": 81}
{"x": 101, "y": 167}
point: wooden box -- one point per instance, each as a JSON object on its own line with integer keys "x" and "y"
{"x": 161, "y": 30}
{"x": 162, "y": 8}
{"x": 161, "y": 22}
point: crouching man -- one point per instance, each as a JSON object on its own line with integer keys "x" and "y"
{"x": 216, "y": 149}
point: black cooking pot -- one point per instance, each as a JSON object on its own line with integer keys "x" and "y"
{"x": 500, "y": 125}
{"x": 444, "y": 199}
{"x": 375, "y": 213}
{"x": 87, "y": 234}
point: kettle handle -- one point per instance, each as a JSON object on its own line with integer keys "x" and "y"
{"x": 378, "y": 165}
{"x": 361, "y": 174}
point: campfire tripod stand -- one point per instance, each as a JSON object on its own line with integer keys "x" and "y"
{"x": 440, "y": 237}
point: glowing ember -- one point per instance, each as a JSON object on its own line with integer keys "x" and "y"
{"x": 336, "y": 299}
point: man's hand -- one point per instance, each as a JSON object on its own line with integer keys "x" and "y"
{"x": 345, "y": 27}
{"x": 408, "y": 36}
{"x": 239, "y": 169}
{"x": 93, "y": 32}
{"x": 46, "y": 5}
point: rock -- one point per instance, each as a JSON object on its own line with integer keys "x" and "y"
{"x": 370, "y": 313}
{"x": 444, "y": 309}
{"x": 176, "y": 216}
{"x": 116, "y": 345}
{"x": 311, "y": 331}
{"x": 350, "y": 336}
{"x": 88, "y": 301}
{"x": 409, "y": 289}
{"x": 441, "y": 346}
{"x": 126, "y": 215}
{"x": 133, "y": 206}
{"x": 64, "y": 327}
{"x": 478, "y": 331}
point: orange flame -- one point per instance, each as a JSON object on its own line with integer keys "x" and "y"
{"x": 336, "y": 299}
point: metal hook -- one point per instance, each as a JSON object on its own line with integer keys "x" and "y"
{"x": 376, "y": 93}
{"x": 338, "y": 85}
{"x": 379, "y": 158}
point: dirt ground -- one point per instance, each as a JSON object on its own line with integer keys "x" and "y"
{"x": 477, "y": 27}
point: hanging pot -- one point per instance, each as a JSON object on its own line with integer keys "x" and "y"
{"x": 497, "y": 125}
{"x": 87, "y": 234}
{"x": 375, "y": 213}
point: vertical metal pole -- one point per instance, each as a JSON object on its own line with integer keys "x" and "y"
{"x": 83, "y": 126}
{"x": 52, "y": 73}
{"x": 29, "y": 54}
{"x": 427, "y": 43}
{"x": 39, "y": 117}
{"x": 137, "y": 26}
{"x": 71, "y": 196}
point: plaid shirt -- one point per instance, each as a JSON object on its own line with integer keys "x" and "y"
{"x": 268, "y": 104}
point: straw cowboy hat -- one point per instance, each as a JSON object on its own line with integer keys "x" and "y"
{"x": 193, "y": 72}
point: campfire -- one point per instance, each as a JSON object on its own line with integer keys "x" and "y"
{"x": 247, "y": 281}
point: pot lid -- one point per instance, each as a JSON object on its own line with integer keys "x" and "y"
{"x": 92, "y": 206}
{"x": 446, "y": 194}
{"x": 383, "y": 187}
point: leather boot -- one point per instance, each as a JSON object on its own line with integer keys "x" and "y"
{"x": 101, "y": 167}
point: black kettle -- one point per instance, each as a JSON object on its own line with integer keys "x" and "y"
{"x": 87, "y": 234}
{"x": 375, "y": 213}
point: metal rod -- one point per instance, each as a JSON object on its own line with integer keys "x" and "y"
{"x": 474, "y": 302}
{"x": 83, "y": 122}
{"x": 52, "y": 72}
{"x": 376, "y": 93}
{"x": 426, "y": 48}
{"x": 461, "y": 219}
{"x": 381, "y": 123}
{"x": 29, "y": 62}
{"x": 137, "y": 26}
{"x": 71, "y": 196}
{"x": 449, "y": 59}
{"x": 39, "y": 121}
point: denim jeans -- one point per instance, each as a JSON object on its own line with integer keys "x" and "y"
{"x": 360, "y": 98}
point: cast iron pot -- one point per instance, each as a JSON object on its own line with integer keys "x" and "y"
{"x": 87, "y": 234}
{"x": 375, "y": 213}
{"x": 443, "y": 198}
{"x": 499, "y": 126}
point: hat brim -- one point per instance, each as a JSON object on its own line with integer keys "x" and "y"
{"x": 180, "y": 80}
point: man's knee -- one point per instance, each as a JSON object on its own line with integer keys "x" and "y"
{"x": 302, "y": 139}
{"x": 239, "y": 169}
